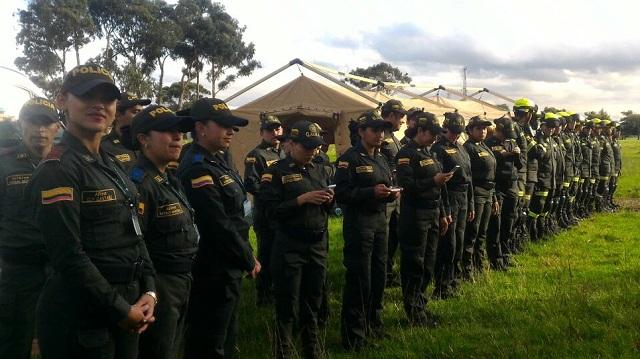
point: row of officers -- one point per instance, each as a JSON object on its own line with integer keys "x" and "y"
{"x": 111, "y": 249}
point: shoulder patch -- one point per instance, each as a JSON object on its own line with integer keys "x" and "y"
{"x": 123, "y": 157}
{"x": 137, "y": 175}
{"x": 250, "y": 160}
{"x": 451, "y": 151}
{"x": 226, "y": 180}
{"x": 158, "y": 178}
{"x": 343, "y": 164}
{"x": 403, "y": 161}
{"x": 202, "y": 181}
{"x": 141, "y": 208}
{"x": 364, "y": 169}
{"x": 267, "y": 177}
{"x": 55, "y": 153}
{"x": 198, "y": 158}
{"x": 291, "y": 178}
{"x": 57, "y": 194}
{"x": 269, "y": 163}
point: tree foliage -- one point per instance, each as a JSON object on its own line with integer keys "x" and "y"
{"x": 139, "y": 37}
{"x": 382, "y": 72}
{"x": 630, "y": 123}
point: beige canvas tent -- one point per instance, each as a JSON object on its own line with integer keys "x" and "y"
{"x": 303, "y": 98}
{"x": 469, "y": 109}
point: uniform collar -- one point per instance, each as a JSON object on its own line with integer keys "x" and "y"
{"x": 292, "y": 164}
{"x": 74, "y": 143}
{"x": 360, "y": 149}
{"x": 146, "y": 164}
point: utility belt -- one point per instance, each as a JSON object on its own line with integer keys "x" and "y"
{"x": 303, "y": 234}
{"x": 488, "y": 185}
{"x": 122, "y": 273}
{"x": 421, "y": 203}
{"x": 23, "y": 256}
{"x": 458, "y": 187}
{"x": 172, "y": 266}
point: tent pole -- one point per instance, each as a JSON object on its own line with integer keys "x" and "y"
{"x": 408, "y": 93}
{"x": 293, "y": 62}
{"x": 430, "y": 91}
{"x": 484, "y": 103}
{"x": 337, "y": 82}
{"x": 500, "y": 96}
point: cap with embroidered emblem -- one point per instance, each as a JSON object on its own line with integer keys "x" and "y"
{"x": 307, "y": 133}
{"x": 84, "y": 78}
{"x": 129, "y": 100}
{"x": 158, "y": 118}
{"x": 38, "y": 108}
{"x": 213, "y": 109}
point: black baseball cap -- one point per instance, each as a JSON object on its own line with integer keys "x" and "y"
{"x": 269, "y": 122}
{"x": 129, "y": 100}
{"x": 158, "y": 118}
{"x": 453, "y": 122}
{"x": 372, "y": 119}
{"x": 307, "y": 133}
{"x": 394, "y": 106}
{"x": 82, "y": 79}
{"x": 39, "y": 108}
{"x": 216, "y": 110}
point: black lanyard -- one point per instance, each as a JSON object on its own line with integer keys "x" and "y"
{"x": 178, "y": 194}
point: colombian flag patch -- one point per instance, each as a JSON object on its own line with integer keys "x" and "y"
{"x": 201, "y": 181}
{"x": 57, "y": 194}
{"x": 403, "y": 161}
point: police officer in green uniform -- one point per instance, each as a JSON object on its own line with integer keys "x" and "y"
{"x": 572, "y": 143}
{"x": 364, "y": 187}
{"x": 605, "y": 170}
{"x": 617, "y": 167}
{"x": 554, "y": 219}
{"x": 296, "y": 195}
{"x": 216, "y": 192}
{"x": 453, "y": 158}
{"x": 424, "y": 214}
{"x": 102, "y": 291}
{"x": 9, "y": 134}
{"x": 524, "y": 111}
{"x": 393, "y": 112}
{"x": 596, "y": 151}
{"x": 23, "y": 264}
{"x": 541, "y": 174}
{"x": 483, "y": 173}
{"x": 411, "y": 123}
{"x": 167, "y": 223}
{"x": 584, "y": 170}
{"x": 256, "y": 163}
{"x": 116, "y": 142}
{"x": 508, "y": 162}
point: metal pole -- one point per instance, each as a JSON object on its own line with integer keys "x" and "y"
{"x": 292, "y": 62}
{"x": 338, "y": 82}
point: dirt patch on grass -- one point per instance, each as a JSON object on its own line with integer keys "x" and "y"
{"x": 629, "y": 203}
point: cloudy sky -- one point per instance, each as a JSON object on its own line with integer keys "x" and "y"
{"x": 582, "y": 55}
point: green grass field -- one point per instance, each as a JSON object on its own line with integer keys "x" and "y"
{"x": 577, "y": 295}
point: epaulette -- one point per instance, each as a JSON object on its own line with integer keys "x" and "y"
{"x": 56, "y": 153}
{"x": 8, "y": 150}
{"x": 137, "y": 175}
{"x": 198, "y": 158}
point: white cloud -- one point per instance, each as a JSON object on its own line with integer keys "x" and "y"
{"x": 574, "y": 54}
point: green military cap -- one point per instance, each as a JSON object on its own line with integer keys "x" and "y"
{"x": 38, "y": 109}
{"x": 476, "y": 121}
{"x": 307, "y": 133}
{"x": 412, "y": 111}
{"x": 505, "y": 124}
{"x": 269, "y": 121}
{"x": 428, "y": 121}
{"x": 394, "y": 106}
{"x": 372, "y": 119}
{"x": 453, "y": 122}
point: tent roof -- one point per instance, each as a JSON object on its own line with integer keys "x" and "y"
{"x": 308, "y": 95}
{"x": 470, "y": 108}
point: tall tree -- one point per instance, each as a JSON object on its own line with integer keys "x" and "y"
{"x": 49, "y": 30}
{"x": 630, "y": 123}
{"x": 381, "y": 72}
{"x": 173, "y": 94}
{"x": 602, "y": 114}
{"x": 195, "y": 24}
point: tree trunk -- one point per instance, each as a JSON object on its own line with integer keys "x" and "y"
{"x": 213, "y": 80}
{"x": 182, "y": 88}
{"x": 197, "y": 84}
{"x": 77, "y": 49}
{"x": 161, "y": 65}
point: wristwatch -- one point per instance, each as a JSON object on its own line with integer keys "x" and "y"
{"x": 152, "y": 295}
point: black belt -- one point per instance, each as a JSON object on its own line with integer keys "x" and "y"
{"x": 23, "y": 256}
{"x": 121, "y": 273}
{"x": 172, "y": 266}
{"x": 423, "y": 203}
{"x": 488, "y": 185}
